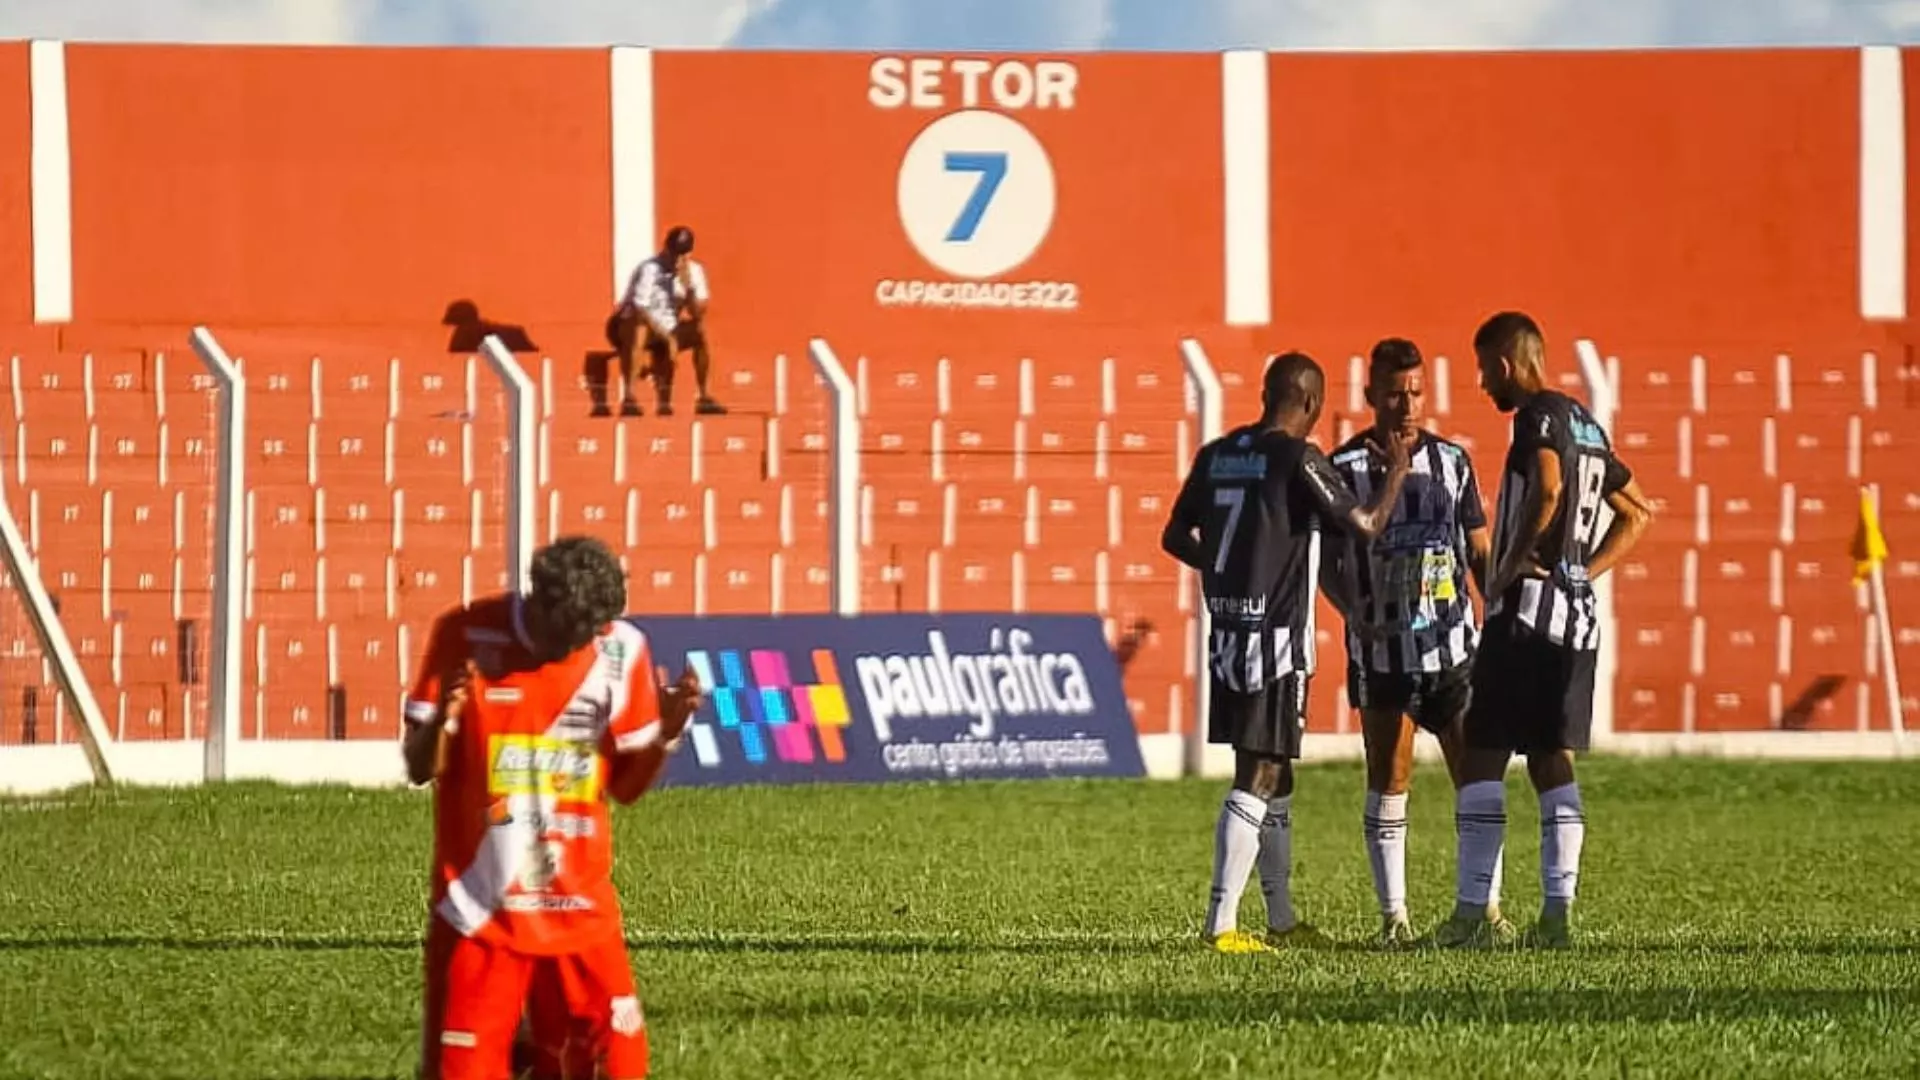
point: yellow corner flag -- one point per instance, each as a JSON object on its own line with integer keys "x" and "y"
{"x": 1869, "y": 545}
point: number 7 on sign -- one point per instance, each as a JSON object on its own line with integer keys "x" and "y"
{"x": 992, "y": 169}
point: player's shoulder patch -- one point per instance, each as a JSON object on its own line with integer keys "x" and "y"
{"x": 1586, "y": 431}
{"x": 1451, "y": 450}
{"x": 1321, "y": 473}
{"x": 1536, "y": 419}
{"x": 1352, "y": 452}
{"x": 622, "y": 646}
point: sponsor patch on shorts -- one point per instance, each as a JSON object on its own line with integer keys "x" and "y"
{"x": 460, "y": 1040}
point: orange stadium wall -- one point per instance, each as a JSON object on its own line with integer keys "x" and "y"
{"x": 1714, "y": 193}
{"x": 1710, "y": 194}
{"x": 1910, "y": 80}
{"x": 332, "y": 203}
{"x": 16, "y": 186}
{"x": 1645, "y": 196}
{"x": 317, "y": 187}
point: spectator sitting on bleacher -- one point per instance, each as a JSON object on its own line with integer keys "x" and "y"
{"x": 667, "y": 299}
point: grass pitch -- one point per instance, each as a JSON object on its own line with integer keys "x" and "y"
{"x": 1738, "y": 920}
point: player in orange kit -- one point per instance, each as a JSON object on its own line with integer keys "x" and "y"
{"x": 529, "y": 711}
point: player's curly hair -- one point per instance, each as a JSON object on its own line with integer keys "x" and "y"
{"x": 579, "y": 587}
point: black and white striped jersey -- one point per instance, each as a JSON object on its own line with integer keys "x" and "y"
{"x": 1408, "y": 608}
{"x": 1261, "y": 500}
{"x": 1560, "y": 605}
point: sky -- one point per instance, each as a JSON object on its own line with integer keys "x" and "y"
{"x": 1011, "y": 25}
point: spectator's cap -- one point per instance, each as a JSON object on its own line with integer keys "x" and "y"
{"x": 680, "y": 240}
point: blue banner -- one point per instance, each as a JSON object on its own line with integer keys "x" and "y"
{"x": 824, "y": 699}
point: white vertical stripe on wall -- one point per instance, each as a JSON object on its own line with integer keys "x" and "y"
{"x": 1883, "y": 185}
{"x": 52, "y": 185}
{"x": 1248, "y": 194}
{"x": 631, "y": 85}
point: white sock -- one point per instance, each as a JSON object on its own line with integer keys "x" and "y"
{"x": 1236, "y": 843}
{"x": 1493, "y": 887}
{"x": 1386, "y": 828}
{"x": 1276, "y": 863}
{"x": 1480, "y": 820}
{"x": 1563, "y": 829}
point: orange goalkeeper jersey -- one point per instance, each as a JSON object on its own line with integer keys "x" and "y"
{"x": 522, "y": 852}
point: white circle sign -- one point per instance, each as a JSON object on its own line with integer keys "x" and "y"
{"x": 976, "y": 193}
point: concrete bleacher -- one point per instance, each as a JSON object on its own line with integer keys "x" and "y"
{"x": 1741, "y": 599}
{"x": 376, "y": 482}
{"x": 995, "y": 476}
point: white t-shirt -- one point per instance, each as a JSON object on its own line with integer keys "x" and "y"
{"x": 662, "y": 292}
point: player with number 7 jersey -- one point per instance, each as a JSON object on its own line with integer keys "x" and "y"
{"x": 1250, "y": 518}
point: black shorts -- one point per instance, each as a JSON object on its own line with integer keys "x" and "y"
{"x": 642, "y": 330}
{"x": 1267, "y": 724}
{"x": 1530, "y": 696}
{"x": 1435, "y": 699}
{"x": 685, "y": 335}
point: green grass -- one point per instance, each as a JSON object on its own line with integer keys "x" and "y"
{"x": 1739, "y": 920}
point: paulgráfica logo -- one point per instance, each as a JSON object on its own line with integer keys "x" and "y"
{"x": 1010, "y": 679}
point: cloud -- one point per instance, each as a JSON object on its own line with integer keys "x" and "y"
{"x": 667, "y": 23}
{"x": 1348, "y": 24}
{"x": 1012, "y": 25}
{"x": 221, "y": 21}
{"x": 920, "y": 25}
{"x": 664, "y": 23}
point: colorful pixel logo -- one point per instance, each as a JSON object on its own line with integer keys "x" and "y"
{"x": 753, "y": 699}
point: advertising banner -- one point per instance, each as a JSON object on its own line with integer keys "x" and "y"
{"x": 824, "y": 699}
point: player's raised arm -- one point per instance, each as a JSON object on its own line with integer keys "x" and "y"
{"x": 649, "y": 728}
{"x": 1542, "y": 502}
{"x": 1338, "y": 503}
{"x": 1181, "y": 537}
{"x": 1473, "y": 519}
{"x": 636, "y": 770}
{"x": 1339, "y": 576}
{"x": 1480, "y": 555}
{"x": 1631, "y": 516}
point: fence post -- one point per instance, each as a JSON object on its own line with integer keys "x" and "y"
{"x": 523, "y": 486}
{"x": 228, "y": 625}
{"x": 844, "y": 482}
{"x": 1210, "y": 403}
{"x": 25, "y": 571}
